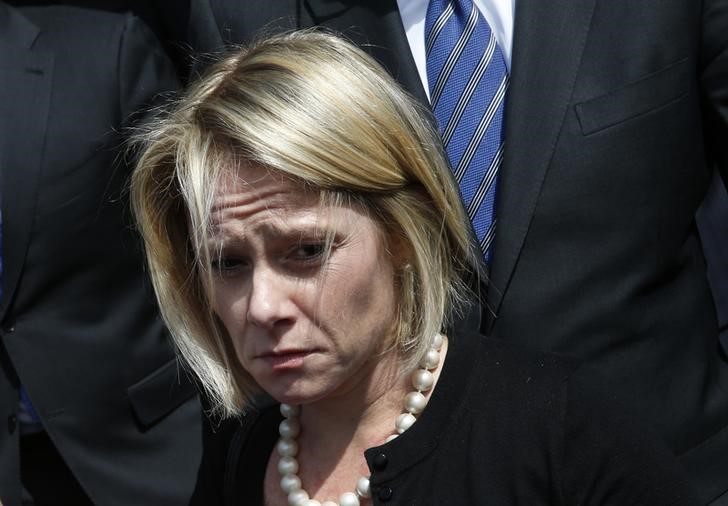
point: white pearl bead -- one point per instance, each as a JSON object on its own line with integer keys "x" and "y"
{"x": 290, "y": 483}
{"x": 415, "y": 402}
{"x": 438, "y": 341}
{"x": 329, "y": 503}
{"x": 289, "y": 428}
{"x": 298, "y": 498}
{"x": 348, "y": 499}
{"x": 390, "y": 438}
{"x": 431, "y": 359}
{"x": 290, "y": 410}
{"x": 287, "y": 465}
{"x": 422, "y": 380}
{"x": 404, "y": 422}
{"x": 362, "y": 487}
{"x": 287, "y": 447}
{"x": 313, "y": 502}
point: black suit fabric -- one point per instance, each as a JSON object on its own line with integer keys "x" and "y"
{"x": 615, "y": 118}
{"x": 80, "y": 329}
{"x": 712, "y": 221}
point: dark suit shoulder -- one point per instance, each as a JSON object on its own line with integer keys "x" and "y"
{"x": 66, "y": 18}
{"x": 94, "y": 41}
{"x": 78, "y": 31}
{"x": 107, "y": 67}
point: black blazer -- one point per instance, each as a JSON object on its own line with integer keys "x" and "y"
{"x": 503, "y": 427}
{"x": 615, "y": 118}
{"x": 80, "y": 329}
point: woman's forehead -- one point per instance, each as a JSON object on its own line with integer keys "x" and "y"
{"x": 247, "y": 191}
{"x": 250, "y": 194}
{"x": 251, "y": 181}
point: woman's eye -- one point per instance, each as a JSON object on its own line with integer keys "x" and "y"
{"x": 308, "y": 252}
{"x": 226, "y": 264}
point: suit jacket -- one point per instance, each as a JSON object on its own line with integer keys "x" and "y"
{"x": 80, "y": 328}
{"x": 615, "y": 117}
{"x": 712, "y": 218}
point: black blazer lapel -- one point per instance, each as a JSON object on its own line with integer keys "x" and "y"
{"x": 25, "y": 84}
{"x": 375, "y": 26}
{"x": 549, "y": 38}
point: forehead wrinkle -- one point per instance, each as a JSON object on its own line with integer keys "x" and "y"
{"x": 238, "y": 198}
{"x": 250, "y": 197}
{"x": 254, "y": 199}
{"x": 270, "y": 218}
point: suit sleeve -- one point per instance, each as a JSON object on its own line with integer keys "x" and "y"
{"x": 714, "y": 81}
{"x": 612, "y": 459}
{"x": 146, "y": 74}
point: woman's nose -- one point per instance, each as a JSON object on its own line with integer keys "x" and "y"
{"x": 269, "y": 302}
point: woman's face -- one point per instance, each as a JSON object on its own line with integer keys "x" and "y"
{"x": 305, "y": 325}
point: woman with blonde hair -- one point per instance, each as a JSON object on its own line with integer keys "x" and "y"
{"x": 309, "y": 250}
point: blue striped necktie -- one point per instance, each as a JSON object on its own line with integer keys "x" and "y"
{"x": 468, "y": 80}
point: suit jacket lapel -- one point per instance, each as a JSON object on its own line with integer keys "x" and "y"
{"x": 25, "y": 85}
{"x": 374, "y": 25}
{"x": 549, "y": 38}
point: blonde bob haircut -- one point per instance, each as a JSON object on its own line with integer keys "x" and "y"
{"x": 317, "y": 109}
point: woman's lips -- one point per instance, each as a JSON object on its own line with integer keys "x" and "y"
{"x": 284, "y": 360}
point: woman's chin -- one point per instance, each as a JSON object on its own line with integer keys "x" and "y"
{"x": 296, "y": 392}
{"x": 296, "y": 398}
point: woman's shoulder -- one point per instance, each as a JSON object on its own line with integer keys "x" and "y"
{"x": 509, "y": 364}
{"x": 259, "y": 424}
{"x": 559, "y": 393}
{"x": 233, "y": 449}
{"x": 560, "y": 408}
{"x": 559, "y": 383}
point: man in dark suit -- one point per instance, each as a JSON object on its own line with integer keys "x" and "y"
{"x": 94, "y": 406}
{"x": 615, "y": 117}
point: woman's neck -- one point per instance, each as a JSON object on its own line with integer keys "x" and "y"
{"x": 367, "y": 410}
{"x": 337, "y": 430}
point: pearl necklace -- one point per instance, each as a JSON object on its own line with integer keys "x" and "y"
{"x": 290, "y": 427}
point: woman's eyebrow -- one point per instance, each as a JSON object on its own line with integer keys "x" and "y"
{"x": 279, "y": 229}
